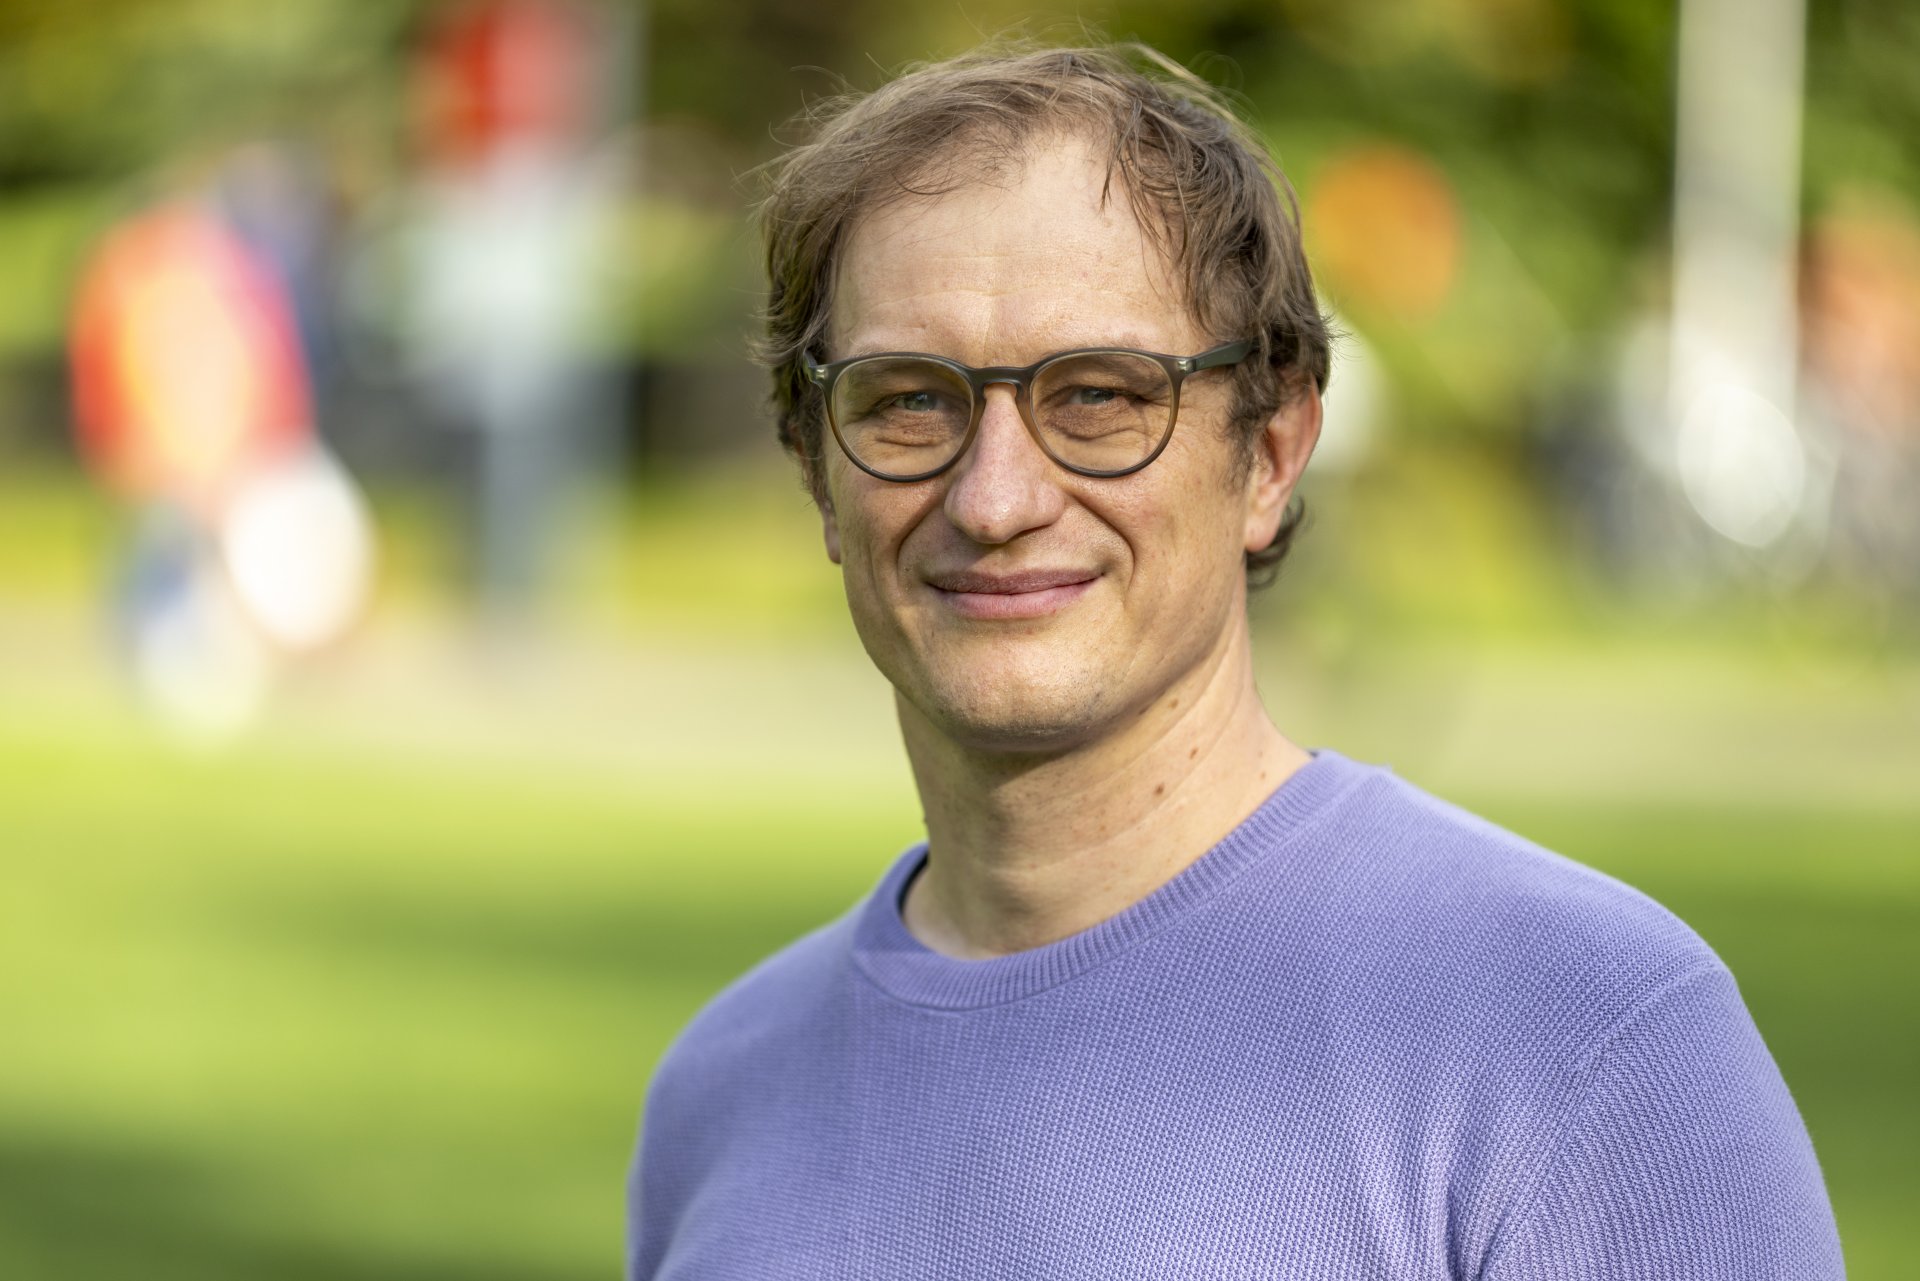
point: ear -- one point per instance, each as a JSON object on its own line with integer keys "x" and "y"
{"x": 1280, "y": 455}
{"x": 830, "y": 529}
{"x": 813, "y": 475}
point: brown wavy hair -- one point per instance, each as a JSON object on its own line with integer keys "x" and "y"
{"x": 1206, "y": 190}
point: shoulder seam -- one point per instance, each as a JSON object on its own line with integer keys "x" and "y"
{"x": 1588, "y": 1073}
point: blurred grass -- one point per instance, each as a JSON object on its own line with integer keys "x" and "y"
{"x": 298, "y": 1014}
{"x": 278, "y": 1015}
{"x": 377, "y": 995}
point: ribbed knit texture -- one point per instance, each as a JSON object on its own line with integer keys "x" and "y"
{"x": 1365, "y": 1036}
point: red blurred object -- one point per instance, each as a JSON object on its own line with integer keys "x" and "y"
{"x": 187, "y": 367}
{"x": 501, "y": 72}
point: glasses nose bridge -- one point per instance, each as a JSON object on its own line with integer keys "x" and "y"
{"x": 1018, "y": 381}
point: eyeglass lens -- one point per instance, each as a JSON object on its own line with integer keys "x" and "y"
{"x": 1099, "y": 411}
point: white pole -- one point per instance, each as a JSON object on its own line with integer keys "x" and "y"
{"x": 1735, "y": 332}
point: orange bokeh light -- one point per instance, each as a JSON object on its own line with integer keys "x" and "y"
{"x": 1385, "y": 230}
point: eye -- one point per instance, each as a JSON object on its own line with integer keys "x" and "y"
{"x": 885, "y": 404}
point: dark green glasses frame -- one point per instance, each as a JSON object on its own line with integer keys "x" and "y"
{"x": 1020, "y": 378}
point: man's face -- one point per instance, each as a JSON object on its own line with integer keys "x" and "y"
{"x": 1015, "y": 605}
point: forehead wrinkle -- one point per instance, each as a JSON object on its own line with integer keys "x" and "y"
{"x": 1009, "y": 231}
{"x": 925, "y": 270}
{"x": 946, "y": 299}
{"x": 983, "y": 329}
{"x": 992, "y": 269}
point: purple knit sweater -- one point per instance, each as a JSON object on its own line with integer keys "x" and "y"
{"x": 1366, "y": 1036}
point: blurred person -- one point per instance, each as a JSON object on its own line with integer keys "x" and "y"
{"x": 1163, "y": 994}
{"x": 508, "y": 215}
{"x": 194, "y": 388}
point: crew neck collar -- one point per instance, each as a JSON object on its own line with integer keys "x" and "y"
{"x": 905, "y": 968}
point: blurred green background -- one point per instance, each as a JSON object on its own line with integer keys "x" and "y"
{"x": 371, "y": 984}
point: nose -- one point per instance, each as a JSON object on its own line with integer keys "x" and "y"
{"x": 1003, "y": 486}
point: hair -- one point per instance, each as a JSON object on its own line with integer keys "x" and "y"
{"x": 1202, "y": 186}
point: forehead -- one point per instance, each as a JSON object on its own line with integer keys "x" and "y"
{"x": 1034, "y": 256}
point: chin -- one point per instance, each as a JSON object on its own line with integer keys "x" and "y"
{"x": 1014, "y": 707}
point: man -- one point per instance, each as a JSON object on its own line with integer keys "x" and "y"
{"x": 1163, "y": 995}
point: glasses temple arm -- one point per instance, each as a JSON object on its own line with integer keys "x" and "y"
{"x": 1230, "y": 354}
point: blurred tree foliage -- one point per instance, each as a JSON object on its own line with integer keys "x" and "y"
{"x": 100, "y": 90}
{"x": 1549, "y": 123}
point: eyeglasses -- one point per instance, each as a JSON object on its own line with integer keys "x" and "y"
{"x": 1097, "y": 411}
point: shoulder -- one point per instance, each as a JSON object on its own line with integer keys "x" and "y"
{"x": 1418, "y": 910}
{"x": 737, "y": 1070}
{"x": 730, "y": 1070}
{"x": 778, "y": 997}
{"x": 1485, "y": 894}
{"x": 1595, "y": 1055}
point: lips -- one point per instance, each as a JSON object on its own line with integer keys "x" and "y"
{"x": 1028, "y": 593}
{"x": 1031, "y": 580}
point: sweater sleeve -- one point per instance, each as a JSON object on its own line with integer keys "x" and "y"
{"x": 1685, "y": 1160}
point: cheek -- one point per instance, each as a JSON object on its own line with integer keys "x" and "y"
{"x": 875, "y": 519}
{"x": 1187, "y": 531}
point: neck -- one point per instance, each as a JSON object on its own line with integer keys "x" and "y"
{"x": 1028, "y": 848}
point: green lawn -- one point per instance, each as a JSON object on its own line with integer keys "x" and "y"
{"x": 301, "y": 1013}
{"x": 278, "y": 1016}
